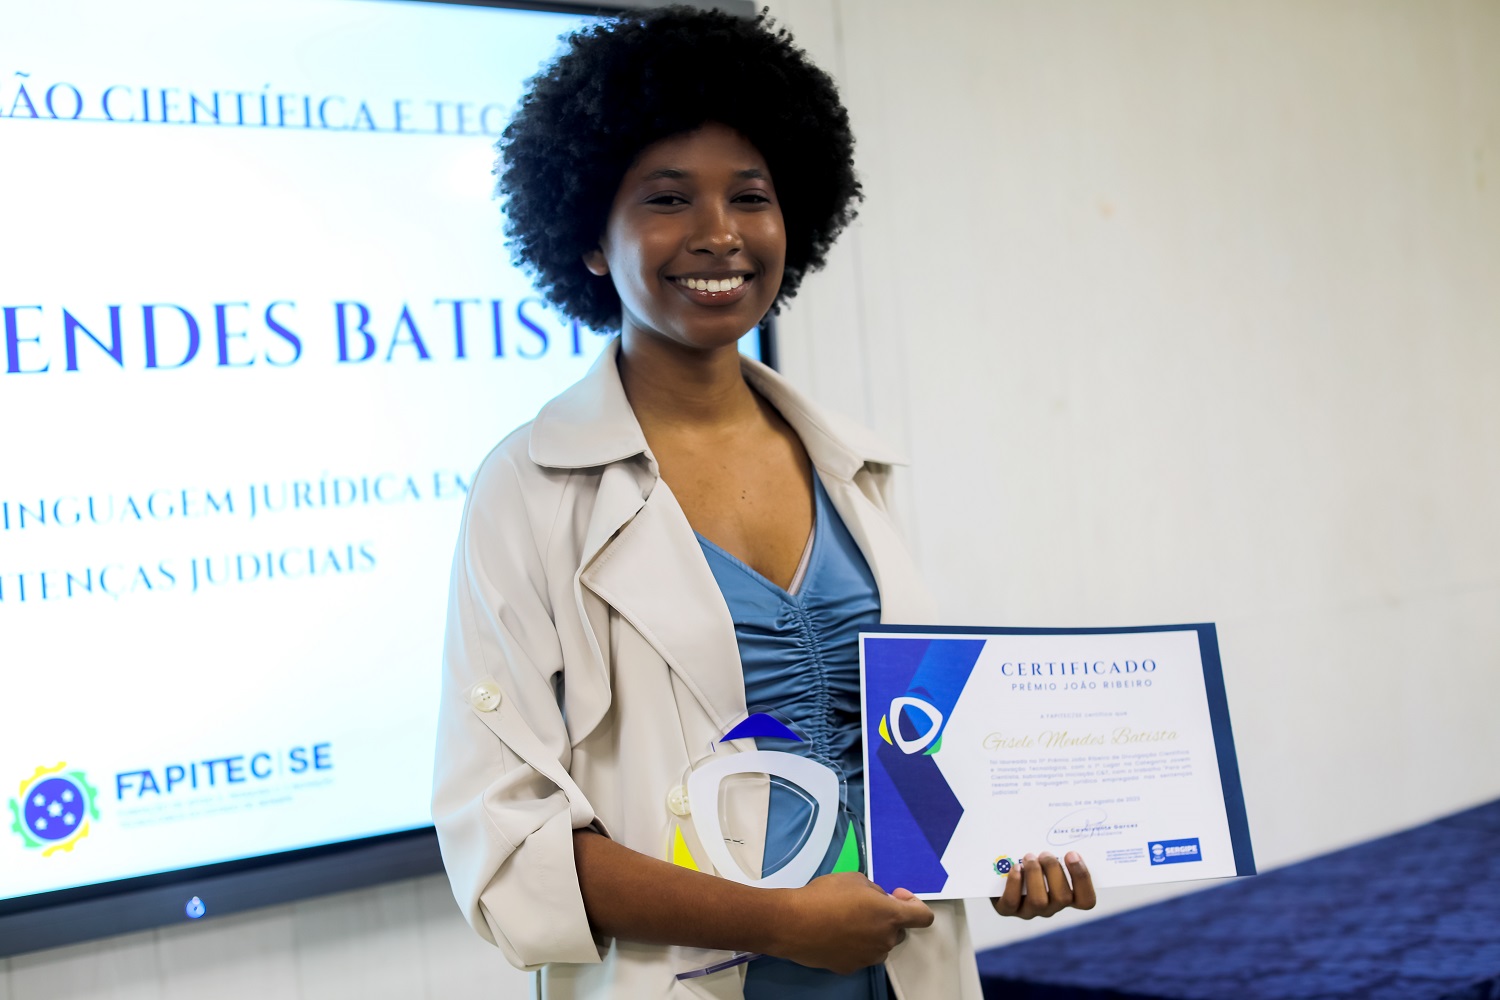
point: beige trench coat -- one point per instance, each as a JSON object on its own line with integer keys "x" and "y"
{"x": 590, "y": 660}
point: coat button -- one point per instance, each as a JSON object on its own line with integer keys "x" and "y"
{"x": 485, "y": 697}
{"x": 677, "y": 801}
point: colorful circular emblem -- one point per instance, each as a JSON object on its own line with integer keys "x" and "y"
{"x": 928, "y": 741}
{"x": 53, "y": 809}
{"x": 1003, "y": 865}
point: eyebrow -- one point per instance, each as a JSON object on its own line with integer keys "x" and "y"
{"x": 676, "y": 173}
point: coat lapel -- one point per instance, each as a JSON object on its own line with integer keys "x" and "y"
{"x": 640, "y": 556}
{"x": 903, "y": 599}
{"x": 843, "y": 453}
{"x": 654, "y": 575}
{"x": 621, "y": 493}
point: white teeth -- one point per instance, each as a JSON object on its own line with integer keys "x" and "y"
{"x": 713, "y": 284}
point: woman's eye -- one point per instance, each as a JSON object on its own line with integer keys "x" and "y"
{"x": 666, "y": 199}
{"x": 754, "y": 198}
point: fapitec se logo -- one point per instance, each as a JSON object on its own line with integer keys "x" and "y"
{"x": 54, "y": 809}
{"x": 925, "y": 741}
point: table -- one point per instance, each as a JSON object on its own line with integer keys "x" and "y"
{"x": 1410, "y": 916}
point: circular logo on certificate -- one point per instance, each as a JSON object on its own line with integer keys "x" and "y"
{"x": 1003, "y": 865}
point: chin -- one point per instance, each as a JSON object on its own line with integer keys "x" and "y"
{"x": 714, "y": 342}
{"x": 697, "y": 336}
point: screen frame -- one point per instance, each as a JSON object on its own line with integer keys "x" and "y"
{"x": 37, "y": 921}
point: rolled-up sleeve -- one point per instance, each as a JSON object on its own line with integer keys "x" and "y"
{"x": 504, "y": 804}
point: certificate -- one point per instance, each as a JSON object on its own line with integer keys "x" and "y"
{"x": 983, "y": 744}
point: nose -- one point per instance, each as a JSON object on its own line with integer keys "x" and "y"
{"x": 715, "y": 232}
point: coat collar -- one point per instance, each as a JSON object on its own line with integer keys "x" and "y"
{"x": 591, "y": 424}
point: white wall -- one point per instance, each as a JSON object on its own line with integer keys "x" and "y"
{"x": 1190, "y": 311}
{"x": 1184, "y": 311}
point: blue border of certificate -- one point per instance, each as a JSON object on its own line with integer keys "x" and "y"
{"x": 1213, "y": 685}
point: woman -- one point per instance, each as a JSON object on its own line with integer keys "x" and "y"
{"x": 676, "y": 540}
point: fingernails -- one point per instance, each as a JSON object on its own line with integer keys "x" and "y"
{"x": 1030, "y": 857}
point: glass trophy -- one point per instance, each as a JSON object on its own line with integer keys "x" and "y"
{"x": 767, "y": 817}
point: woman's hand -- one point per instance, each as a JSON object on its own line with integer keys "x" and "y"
{"x": 845, "y": 922}
{"x": 1047, "y": 887}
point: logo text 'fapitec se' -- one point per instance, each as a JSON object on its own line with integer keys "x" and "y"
{"x": 215, "y": 772}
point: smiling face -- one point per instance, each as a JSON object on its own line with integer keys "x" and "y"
{"x": 695, "y": 243}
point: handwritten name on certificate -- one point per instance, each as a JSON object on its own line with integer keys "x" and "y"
{"x": 983, "y": 744}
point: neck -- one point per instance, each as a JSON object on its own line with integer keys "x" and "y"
{"x": 672, "y": 385}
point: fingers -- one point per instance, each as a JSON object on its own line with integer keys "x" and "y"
{"x": 1059, "y": 892}
{"x": 914, "y": 912}
{"x": 845, "y": 922}
{"x": 1036, "y": 889}
{"x": 1008, "y": 903}
{"x": 1048, "y": 887}
{"x": 1084, "y": 896}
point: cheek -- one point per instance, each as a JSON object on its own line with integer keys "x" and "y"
{"x": 635, "y": 279}
{"x": 769, "y": 239}
{"x": 638, "y": 256}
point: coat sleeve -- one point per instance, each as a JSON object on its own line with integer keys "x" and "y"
{"x": 504, "y": 804}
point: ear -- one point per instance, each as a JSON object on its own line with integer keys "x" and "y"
{"x": 595, "y": 262}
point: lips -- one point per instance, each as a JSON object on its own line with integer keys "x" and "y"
{"x": 714, "y": 291}
{"x": 725, "y": 284}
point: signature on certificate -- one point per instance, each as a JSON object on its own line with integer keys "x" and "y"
{"x": 1080, "y": 824}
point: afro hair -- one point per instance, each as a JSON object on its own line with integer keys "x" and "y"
{"x": 628, "y": 82}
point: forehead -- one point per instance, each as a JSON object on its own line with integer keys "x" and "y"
{"x": 709, "y": 149}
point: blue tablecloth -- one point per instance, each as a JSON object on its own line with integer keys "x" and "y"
{"x": 1410, "y": 916}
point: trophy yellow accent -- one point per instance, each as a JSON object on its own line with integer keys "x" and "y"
{"x": 681, "y": 856}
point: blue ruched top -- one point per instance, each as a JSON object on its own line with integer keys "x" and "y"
{"x": 800, "y": 655}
